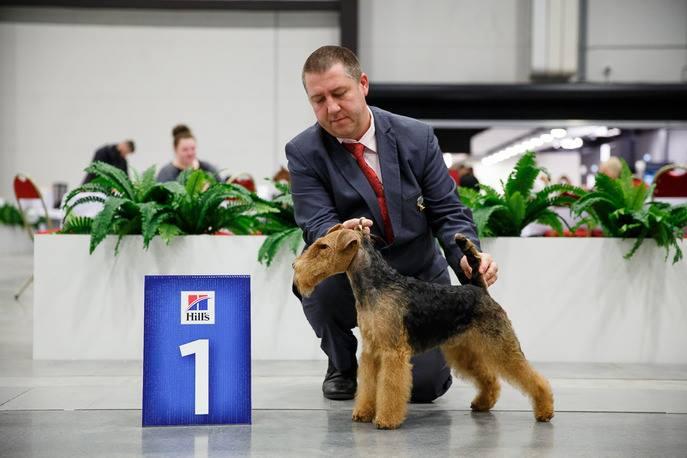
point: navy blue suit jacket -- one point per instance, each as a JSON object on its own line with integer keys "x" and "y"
{"x": 329, "y": 188}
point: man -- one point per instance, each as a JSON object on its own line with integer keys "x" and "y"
{"x": 115, "y": 155}
{"x": 363, "y": 165}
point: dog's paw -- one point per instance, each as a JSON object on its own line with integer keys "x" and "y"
{"x": 363, "y": 416}
{"x": 543, "y": 416}
{"x": 386, "y": 424}
{"x": 478, "y": 407}
{"x": 485, "y": 400}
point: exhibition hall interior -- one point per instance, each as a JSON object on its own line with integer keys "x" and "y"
{"x": 343, "y": 228}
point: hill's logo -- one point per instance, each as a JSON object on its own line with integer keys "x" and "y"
{"x": 197, "y": 307}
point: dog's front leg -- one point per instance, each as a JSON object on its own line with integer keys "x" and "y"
{"x": 368, "y": 369}
{"x": 393, "y": 388}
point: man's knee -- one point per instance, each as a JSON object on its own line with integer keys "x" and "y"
{"x": 427, "y": 388}
{"x": 431, "y": 376}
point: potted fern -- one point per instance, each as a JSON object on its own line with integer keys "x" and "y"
{"x": 175, "y": 223}
{"x": 280, "y": 227}
{"x": 577, "y": 299}
{"x": 507, "y": 214}
{"x": 194, "y": 204}
{"x": 573, "y": 300}
{"x": 624, "y": 209}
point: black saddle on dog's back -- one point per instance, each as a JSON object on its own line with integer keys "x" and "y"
{"x": 438, "y": 312}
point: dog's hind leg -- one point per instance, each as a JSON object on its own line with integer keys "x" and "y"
{"x": 394, "y": 383}
{"x": 513, "y": 366}
{"x": 465, "y": 357}
{"x": 365, "y": 396}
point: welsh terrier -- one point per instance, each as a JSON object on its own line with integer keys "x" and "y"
{"x": 401, "y": 316}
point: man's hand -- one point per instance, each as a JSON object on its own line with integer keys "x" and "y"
{"x": 355, "y": 222}
{"x": 487, "y": 268}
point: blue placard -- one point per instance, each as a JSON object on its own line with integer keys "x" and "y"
{"x": 196, "y": 350}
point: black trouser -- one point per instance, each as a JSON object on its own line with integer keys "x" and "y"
{"x": 331, "y": 313}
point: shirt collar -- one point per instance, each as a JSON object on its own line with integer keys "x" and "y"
{"x": 368, "y": 139}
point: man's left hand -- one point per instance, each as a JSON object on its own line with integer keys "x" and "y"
{"x": 487, "y": 268}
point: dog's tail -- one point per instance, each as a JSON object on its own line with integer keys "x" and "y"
{"x": 472, "y": 254}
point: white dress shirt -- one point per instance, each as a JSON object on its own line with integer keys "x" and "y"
{"x": 369, "y": 141}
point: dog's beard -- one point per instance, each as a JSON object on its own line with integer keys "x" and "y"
{"x": 305, "y": 288}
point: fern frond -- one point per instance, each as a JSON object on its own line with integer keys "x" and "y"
{"x": 272, "y": 245}
{"x": 103, "y": 221}
{"x": 77, "y": 225}
{"x": 93, "y": 198}
{"x": 168, "y": 231}
{"x": 114, "y": 177}
{"x": 523, "y": 176}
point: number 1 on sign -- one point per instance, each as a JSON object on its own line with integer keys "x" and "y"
{"x": 201, "y": 348}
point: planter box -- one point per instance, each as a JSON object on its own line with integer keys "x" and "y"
{"x": 578, "y": 300}
{"x": 14, "y": 240}
{"x": 572, "y": 300}
{"x": 91, "y": 306}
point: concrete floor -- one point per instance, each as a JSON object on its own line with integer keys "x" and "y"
{"x": 92, "y": 408}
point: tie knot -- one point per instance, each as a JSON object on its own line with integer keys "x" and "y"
{"x": 356, "y": 149}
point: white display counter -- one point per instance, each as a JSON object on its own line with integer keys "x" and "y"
{"x": 570, "y": 299}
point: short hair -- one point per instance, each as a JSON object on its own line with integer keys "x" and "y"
{"x": 325, "y": 57}
{"x": 131, "y": 145}
{"x": 181, "y": 131}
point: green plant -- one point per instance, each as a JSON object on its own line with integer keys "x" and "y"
{"x": 10, "y": 215}
{"x": 506, "y": 214}
{"x": 77, "y": 225}
{"x": 204, "y": 206}
{"x": 623, "y": 209}
{"x": 279, "y": 226}
{"x": 194, "y": 204}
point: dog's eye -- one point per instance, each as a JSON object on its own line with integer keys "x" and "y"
{"x": 321, "y": 246}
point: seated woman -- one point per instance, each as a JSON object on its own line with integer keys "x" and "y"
{"x": 184, "y": 156}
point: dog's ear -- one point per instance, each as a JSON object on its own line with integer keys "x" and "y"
{"x": 335, "y": 228}
{"x": 346, "y": 240}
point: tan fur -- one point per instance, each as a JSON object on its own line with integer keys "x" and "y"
{"x": 329, "y": 255}
{"x": 384, "y": 372}
{"x": 486, "y": 351}
{"x": 481, "y": 357}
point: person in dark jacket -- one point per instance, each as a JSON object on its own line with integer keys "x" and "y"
{"x": 184, "y": 156}
{"x": 113, "y": 154}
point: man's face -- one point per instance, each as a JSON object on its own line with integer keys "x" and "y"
{"x": 339, "y": 101}
{"x": 124, "y": 149}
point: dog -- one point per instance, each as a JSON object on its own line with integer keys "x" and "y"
{"x": 400, "y": 316}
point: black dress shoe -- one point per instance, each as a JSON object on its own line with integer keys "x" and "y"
{"x": 339, "y": 385}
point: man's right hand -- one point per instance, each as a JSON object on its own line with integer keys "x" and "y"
{"x": 355, "y": 222}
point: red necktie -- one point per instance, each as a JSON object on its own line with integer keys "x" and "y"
{"x": 357, "y": 150}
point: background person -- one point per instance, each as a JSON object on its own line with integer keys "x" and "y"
{"x": 184, "y": 156}
{"x": 114, "y": 154}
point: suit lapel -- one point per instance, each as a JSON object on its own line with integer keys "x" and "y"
{"x": 350, "y": 170}
{"x": 391, "y": 172}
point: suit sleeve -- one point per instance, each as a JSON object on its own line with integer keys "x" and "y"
{"x": 446, "y": 213}
{"x": 313, "y": 205}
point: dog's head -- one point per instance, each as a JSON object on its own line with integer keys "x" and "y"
{"x": 330, "y": 254}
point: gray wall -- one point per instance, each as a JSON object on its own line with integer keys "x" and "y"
{"x": 71, "y": 80}
{"x": 639, "y": 40}
{"x": 445, "y": 41}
